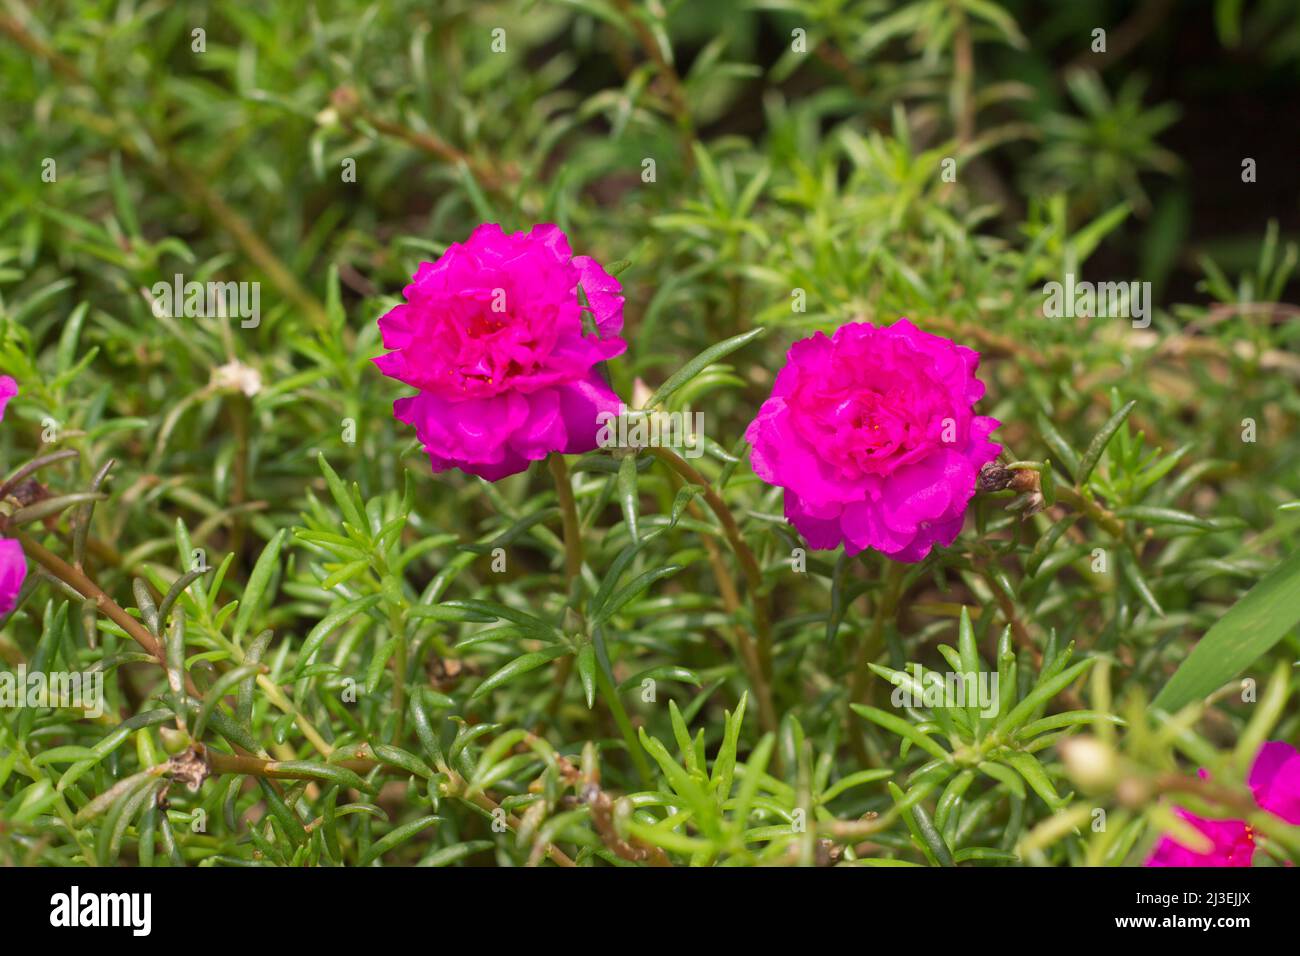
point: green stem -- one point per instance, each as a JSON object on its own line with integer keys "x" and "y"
{"x": 605, "y": 684}
{"x": 573, "y": 557}
{"x": 569, "y": 513}
{"x": 1111, "y": 524}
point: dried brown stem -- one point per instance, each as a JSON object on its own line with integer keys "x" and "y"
{"x": 88, "y": 589}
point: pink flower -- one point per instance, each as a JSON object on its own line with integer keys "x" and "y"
{"x": 873, "y": 436}
{"x": 8, "y": 389}
{"x": 1232, "y": 843}
{"x": 492, "y": 335}
{"x": 1275, "y": 782}
{"x": 13, "y": 571}
{"x": 13, "y": 563}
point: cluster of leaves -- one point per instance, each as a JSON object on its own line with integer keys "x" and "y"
{"x": 332, "y": 657}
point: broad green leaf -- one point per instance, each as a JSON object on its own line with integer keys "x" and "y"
{"x": 1245, "y": 633}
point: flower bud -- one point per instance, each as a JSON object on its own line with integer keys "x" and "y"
{"x": 174, "y": 741}
{"x": 1090, "y": 763}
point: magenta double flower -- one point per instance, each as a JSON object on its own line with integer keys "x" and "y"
{"x": 1275, "y": 782}
{"x": 13, "y": 564}
{"x": 493, "y": 336}
{"x": 873, "y": 435}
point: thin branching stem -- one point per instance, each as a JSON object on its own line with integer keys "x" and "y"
{"x": 83, "y": 585}
{"x": 573, "y": 549}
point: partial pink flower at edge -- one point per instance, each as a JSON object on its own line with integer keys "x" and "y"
{"x": 873, "y": 435}
{"x": 13, "y": 563}
{"x": 492, "y": 336}
{"x": 8, "y": 389}
{"x": 1274, "y": 780}
{"x": 13, "y": 571}
{"x": 1232, "y": 843}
